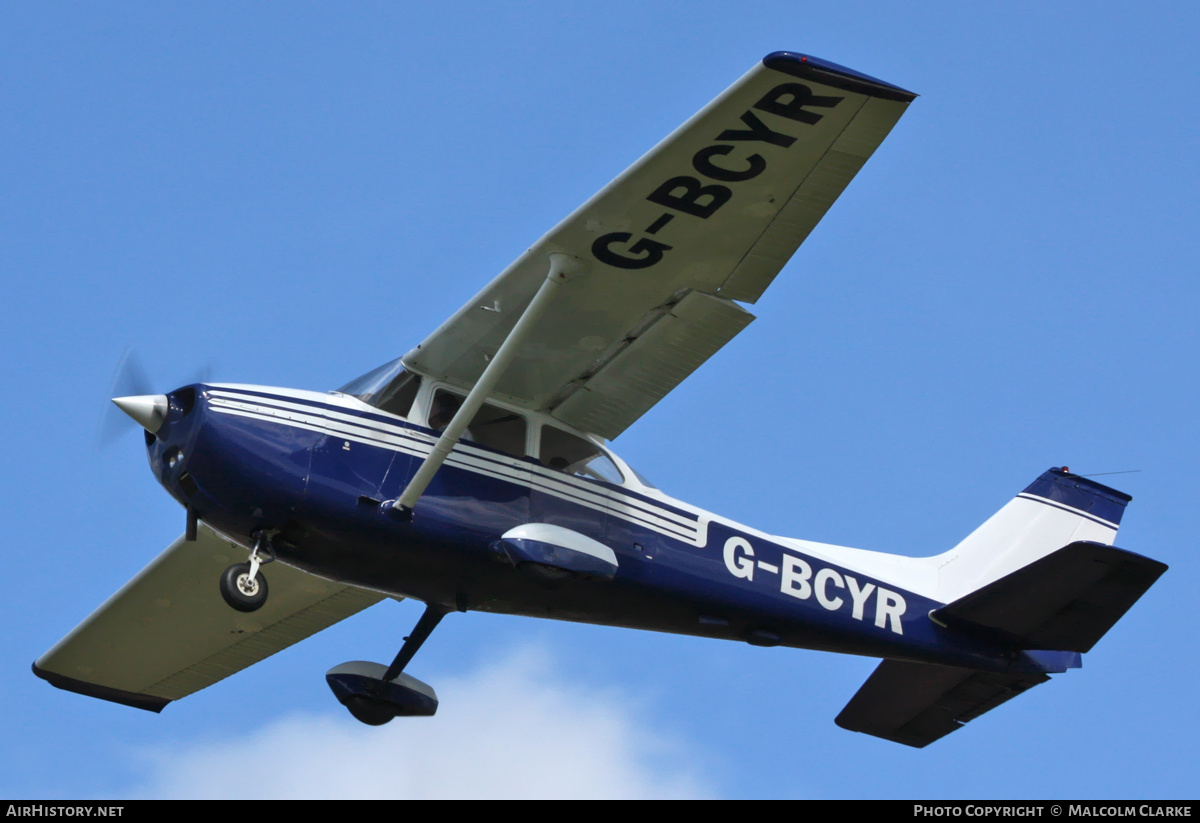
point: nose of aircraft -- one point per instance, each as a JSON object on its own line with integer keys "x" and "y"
{"x": 149, "y": 410}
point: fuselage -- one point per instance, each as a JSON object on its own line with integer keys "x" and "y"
{"x": 317, "y": 470}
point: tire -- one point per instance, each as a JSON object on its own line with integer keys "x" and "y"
{"x": 366, "y": 710}
{"x": 237, "y": 594}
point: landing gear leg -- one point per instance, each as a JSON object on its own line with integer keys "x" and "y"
{"x": 425, "y": 626}
{"x": 242, "y": 586}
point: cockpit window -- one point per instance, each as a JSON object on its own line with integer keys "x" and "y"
{"x": 389, "y": 387}
{"x": 491, "y": 426}
{"x": 570, "y": 454}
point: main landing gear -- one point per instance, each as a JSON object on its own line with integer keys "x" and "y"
{"x": 374, "y": 695}
{"x": 242, "y": 585}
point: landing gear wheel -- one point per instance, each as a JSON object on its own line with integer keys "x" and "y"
{"x": 240, "y": 591}
{"x": 366, "y": 710}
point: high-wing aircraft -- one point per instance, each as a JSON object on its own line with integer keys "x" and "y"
{"x": 474, "y": 473}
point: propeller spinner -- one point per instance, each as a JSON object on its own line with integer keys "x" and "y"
{"x": 149, "y": 410}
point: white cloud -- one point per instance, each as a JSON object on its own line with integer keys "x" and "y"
{"x": 512, "y": 729}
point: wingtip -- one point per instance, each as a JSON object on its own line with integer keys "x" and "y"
{"x": 808, "y": 67}
{"x": 138, "y": 701}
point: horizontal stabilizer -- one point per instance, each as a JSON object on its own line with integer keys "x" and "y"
{"x": 917, "y": 703}
{"x": 1066, "y": 600}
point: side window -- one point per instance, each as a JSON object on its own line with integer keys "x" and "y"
{"x": 491, "y": 426}
{"x": 569, "y": 454}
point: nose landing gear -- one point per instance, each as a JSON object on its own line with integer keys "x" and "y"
{"x": 242, "y": 585}
{"x": 243, "y": 588}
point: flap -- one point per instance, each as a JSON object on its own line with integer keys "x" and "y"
{"x": 641, "y": 370}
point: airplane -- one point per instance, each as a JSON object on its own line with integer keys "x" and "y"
{"x": 474, "y": 473}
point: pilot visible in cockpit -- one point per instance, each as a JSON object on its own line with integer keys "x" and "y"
{"x": 445, "y": 406}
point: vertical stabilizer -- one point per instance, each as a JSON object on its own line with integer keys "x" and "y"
{"x": 1056, "y": 509}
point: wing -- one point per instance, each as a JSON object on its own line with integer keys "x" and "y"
{"x": 168, "y": 633}
{"x": 706, "y": 218}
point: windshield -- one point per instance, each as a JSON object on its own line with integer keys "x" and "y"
{"x": 390, "y": 387}
{"x": 641, "y": 478}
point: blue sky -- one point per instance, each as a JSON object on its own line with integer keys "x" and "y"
{"x": 291, "y": 194}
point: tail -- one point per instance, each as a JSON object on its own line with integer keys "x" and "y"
{"x": 1056, "y": 509}
{"x": 1040, "y": 574}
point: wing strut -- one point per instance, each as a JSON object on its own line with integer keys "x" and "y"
{"x": 561, "y": 267}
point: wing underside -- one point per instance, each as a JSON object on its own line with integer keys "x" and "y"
{"x": 706, "y": 218}
{"x": 168, "y": 632}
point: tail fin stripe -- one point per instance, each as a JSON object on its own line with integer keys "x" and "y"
{"x": 1080, "y": 493}
{"x": 1070, "y": 509}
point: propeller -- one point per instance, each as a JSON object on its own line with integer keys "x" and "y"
{"x": 133, "y": 397}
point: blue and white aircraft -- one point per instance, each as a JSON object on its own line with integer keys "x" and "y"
{"x": 474, "y": 472}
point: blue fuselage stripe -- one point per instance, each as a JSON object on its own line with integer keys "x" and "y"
{"x": 398, "y": 436}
